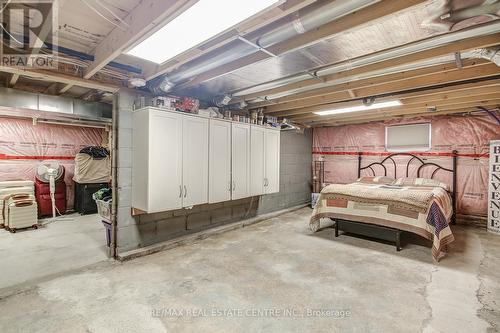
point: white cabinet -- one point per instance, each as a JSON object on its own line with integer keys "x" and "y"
{"x": 169, "y": 160}
{"x": 219, "y": 184}
{"x": 265, "y": 160}
{"x": 194, "y": 160}
{"x": 157, "y": 161}
{"x": 257, "y": 157}
{"x": 181, "y": 160}
{"x": 272, "y": 162}
{"x": 240, "y": 161}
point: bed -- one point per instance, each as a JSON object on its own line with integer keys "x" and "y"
{"x": 383, "y": 208}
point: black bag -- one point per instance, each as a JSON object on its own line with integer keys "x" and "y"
{"x": 97, "y": 153}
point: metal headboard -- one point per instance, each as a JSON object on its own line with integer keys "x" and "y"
{"x": 423, "y": 164}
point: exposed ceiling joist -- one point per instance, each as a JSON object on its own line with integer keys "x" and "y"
{"x": 145, "y": 19}
{"x": 424, "y": 77}
{"x": 49, "y": 76}
{"x": 65, "y": 88}
{"x": 357, "y": 18}
{"x": 459, "y": 108}
{"x": 12, "y": 80}
{"x": 408, "y": 106}
{"x": 430, "y": 94}
{"x": 468, "y": 44}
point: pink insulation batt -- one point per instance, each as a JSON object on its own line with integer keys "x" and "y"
{"x": 23, "y": 145}
{"x": 466, "y": 134}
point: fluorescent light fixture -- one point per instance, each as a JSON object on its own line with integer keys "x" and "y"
{"x": 202, "y": 21}
{"x": 380, "y": 105}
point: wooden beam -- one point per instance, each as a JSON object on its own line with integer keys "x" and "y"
{"x": 243, "y": 29}
{"x": 11, "y": 82}
{"x": 352, "y": 20}
{"x": 62, "y": 78}
{"x": 467, "y": 44}
{"x": 142, "y": 21}
{"x": 407, "y": 99}
{"x": 65, "y": 88}
{"x": 452, "y": 110}
{"x": 406, "y": 107}
{"x": 390, "y": 83}
{"x": 386, "y": 113}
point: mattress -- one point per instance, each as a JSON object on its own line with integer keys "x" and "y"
{"x": 422, "y": 210}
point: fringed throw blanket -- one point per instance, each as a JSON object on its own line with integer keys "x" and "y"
{"x": 422, "y": 210}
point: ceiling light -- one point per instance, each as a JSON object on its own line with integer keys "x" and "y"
{"x": 373, "y": 106}
{"x": 137, "y": 82}
{"x": 200, "y": 22}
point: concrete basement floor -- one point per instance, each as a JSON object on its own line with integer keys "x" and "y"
{"x": 276, "y": 264}
{"x": 72, "y": 242}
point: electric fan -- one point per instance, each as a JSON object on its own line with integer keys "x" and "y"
{"x": 49, "y": 172}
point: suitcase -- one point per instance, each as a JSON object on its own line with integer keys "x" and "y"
{"x": 21, "y": 212}
{"x": 12, "y": 187}
{"x": 84, "y": 203}
{"x": 42, "y": 192}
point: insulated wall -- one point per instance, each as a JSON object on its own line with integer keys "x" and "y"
{"x": 469, "y": 135}
{"x": 23, "y": 145}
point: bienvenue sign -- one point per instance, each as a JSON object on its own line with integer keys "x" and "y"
{"x": 494, "y": 186}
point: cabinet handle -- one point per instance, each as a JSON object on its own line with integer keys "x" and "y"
{"x": 234, "y": 185}
{"x": 230, "y": 186}
{"x": 185, "y": 191}
{"x": 180, "y": 191}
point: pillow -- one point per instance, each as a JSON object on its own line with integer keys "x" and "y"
{"x": 420, "y": 182}
{"x": 375, "y": 180}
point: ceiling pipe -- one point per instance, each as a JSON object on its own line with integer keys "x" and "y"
{"x": 305, "y": 20}
{"x": 491, "y": 53}
{"x": 400, "y": 51}
{"x": 456, "y": 16}
{"x": 368, "y": 75}
{"x": 491, "y": 113}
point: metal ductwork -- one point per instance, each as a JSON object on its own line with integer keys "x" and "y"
{"x": 492, "y": 54}
{"x": 305, "y": 20}
{"x": 287, "y": 125}
{"x": 401, "y": 51}
{"x": 487, "y": 8}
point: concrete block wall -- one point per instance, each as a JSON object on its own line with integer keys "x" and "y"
{"x": 134, "y": 232}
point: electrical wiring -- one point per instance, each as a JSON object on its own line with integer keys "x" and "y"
{"x": 5, "y": 6}
{"x": 100, "y": 3}
{"x": 102, "y": 16}
{"x": 8, "y": 33}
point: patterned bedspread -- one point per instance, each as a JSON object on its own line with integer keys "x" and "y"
{"x": 422, "y": 210}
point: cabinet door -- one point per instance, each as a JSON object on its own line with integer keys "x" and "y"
{"x": 272, "y": 161}
{"x": 257, "y": 157}
{"x": 165, "y": 161}
{"x": 219, "y": 171}
{"x": 194, "y": 160}
{"x": 240, "y": 166}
